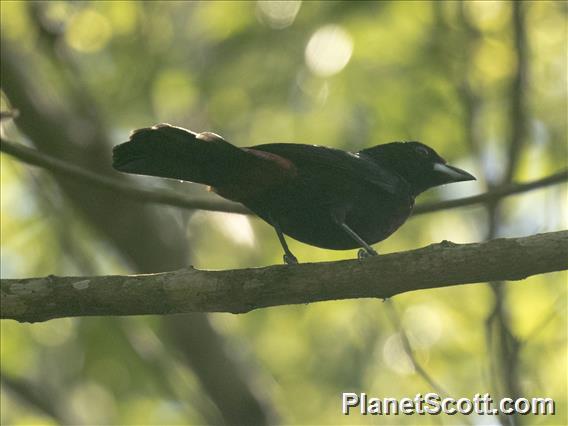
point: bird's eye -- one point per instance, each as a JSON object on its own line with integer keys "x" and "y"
{"x": 422, "y": 151}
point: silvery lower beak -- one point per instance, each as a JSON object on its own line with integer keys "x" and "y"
{"x": 453, "y": 173}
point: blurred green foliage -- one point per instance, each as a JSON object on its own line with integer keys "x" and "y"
{"x": 342, "y": 74}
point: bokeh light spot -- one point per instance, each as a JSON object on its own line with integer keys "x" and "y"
{"x": 173, "y": 95}
{"x": 487, "y": 15}
{"x": 395, "y": 357}
{"x": 234, "y": 226}
{"x": 278, "y": 14}
{"x": 123, "y": 15}
{"x": 218, "y": 20}
{"x": 423, "y": 326}
{"x": 328, "y": 50}
{"x": 88, "y": 31}
{"x": 54, "y": 333}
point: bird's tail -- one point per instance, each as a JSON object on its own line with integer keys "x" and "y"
{"x": 173, "y": 152}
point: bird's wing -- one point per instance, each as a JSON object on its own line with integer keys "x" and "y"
{"x": 310, "y": 156}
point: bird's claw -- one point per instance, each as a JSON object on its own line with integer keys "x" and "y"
{"x": 290, "y": 259}
{"x": 364, "y": 253}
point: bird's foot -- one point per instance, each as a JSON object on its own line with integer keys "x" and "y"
{"x": 364, "y": 253}
{"x": 290, "y": 259}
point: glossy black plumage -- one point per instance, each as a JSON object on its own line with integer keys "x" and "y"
{"x": 321, "y": 196}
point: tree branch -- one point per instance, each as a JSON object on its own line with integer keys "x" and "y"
{"x": 174, "y": 198}
{"x": 80, "y": 137}
{"x": 131, "y": 191}
{"x": 242, "y": 290}
{"x": 45, "y": 401}
{"x": 496, "y": 193}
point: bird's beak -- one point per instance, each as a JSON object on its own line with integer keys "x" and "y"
{"x": 453, "y": 173}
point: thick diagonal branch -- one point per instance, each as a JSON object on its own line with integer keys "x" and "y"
{"x": 242, "y": 290}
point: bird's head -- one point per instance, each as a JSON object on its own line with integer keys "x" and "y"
{"x": 417, "y": 163}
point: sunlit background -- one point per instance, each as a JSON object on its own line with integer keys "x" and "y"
{"x": 343, "y": 74}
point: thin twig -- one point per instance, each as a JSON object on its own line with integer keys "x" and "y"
{"x": 34, "y": 395}
{"x": 506, "y": 352}
{"x": 494, "y": 194}
{"x": 9, "y": 115}
{"x": 397, "y": 323}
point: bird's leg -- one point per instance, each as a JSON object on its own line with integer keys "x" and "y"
{"x": 363, "y": 254}
{"x": 338, "y": 216}
{"x": 289, "y": 258}
{"x": 367, "y": 250}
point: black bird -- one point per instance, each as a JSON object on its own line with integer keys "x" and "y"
{"x": 321, "y": 196}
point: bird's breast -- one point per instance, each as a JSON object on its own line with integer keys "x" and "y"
{"x": 379, "y": 218}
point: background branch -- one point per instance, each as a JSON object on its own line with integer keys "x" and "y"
{"x": 37, "y": 397}
{"x": 176, "y": 199}
{"x": 238, "y": 291}
{"x": 81, "y": 139}
{"x": 122, "y": 187}
{"x": 503, "y": 343}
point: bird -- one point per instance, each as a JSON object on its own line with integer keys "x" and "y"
{"x": 321, "y": 196}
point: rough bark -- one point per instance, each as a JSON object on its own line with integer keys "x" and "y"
{"x": 242, "y": 290}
